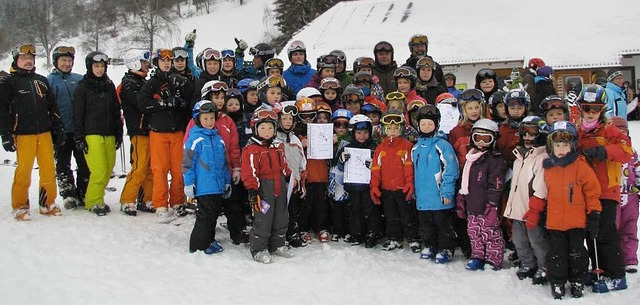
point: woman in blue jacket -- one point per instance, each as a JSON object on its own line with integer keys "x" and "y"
{"x": 300, "y": 71}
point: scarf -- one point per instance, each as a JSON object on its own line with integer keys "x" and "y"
{"x": 472, "y": 156}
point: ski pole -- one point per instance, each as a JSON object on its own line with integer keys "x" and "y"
{"x": 597, "y": 271}
{"x": 122, "y": 159}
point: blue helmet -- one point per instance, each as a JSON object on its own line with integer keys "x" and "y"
{"x": 203, "y": 106}
{"x": 341, "y": 113}
{"x": 245, "y": 84}
{"x": 562, "y": 131}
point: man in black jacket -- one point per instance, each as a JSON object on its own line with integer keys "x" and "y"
{"x": 419, "y": 47}
{"x": 28, "y": 118}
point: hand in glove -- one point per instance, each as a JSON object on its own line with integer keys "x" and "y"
{"x": 368, "y": 164}
{"x": 189, "y": 190}
{"x": 190, "y": 39}
{"x": 8, "y": 143}
{"x": 598, "y": 152}
{"x": 408, "y": 191}
{"x": 242, "y": 45}
{"x": 227, "y": 191}
{"x": 461, "y": 211}
{"x": 177, "y": 81}
{"x": 235, "y": 177}
{"x": 532, "y": 217}
{"x": 593, "y": 224}
{"x": 81, "y": 144}
{"x": 344, "y": 157}
{"x": 375, "y": 195}
{"x": 254, "y": 201}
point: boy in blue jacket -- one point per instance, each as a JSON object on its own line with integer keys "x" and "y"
{"x": 435, "y": 162}
{"x": 206, "y": 177}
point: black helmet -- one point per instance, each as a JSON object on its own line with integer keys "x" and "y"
{"x": 60, "y": 51}
{"x": 430, "y": 112}
{"x": 264, "y": 51}
{"x": 94, "y": 57}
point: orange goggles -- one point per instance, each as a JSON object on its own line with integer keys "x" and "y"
{"x": 26, "y": 49}
{"x": 165, "y": 54}
{"x": 419, "y": 39}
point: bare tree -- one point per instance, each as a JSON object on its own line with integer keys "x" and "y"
{"x": 155, "y": 19}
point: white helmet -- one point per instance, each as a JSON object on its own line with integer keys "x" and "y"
{"x": 486, "y": 124}
{"x": 360, "y": 122}
{"x": 134, "y": 63}
{"x": 359, "y": 118}
{"x": 307, "y": 92}
{"x": 213, "y": 85}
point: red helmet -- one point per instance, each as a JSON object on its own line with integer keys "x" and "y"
{"x": 535, "y": 63}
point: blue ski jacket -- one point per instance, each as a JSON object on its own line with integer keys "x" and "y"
{"x": 616, "y": 101}
{"x": 63, "y": 85}
{"x": 297, "y": 76}
{"x": 204, "y": 164}
{"x": 436, "y": 170}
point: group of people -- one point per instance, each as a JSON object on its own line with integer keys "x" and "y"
{"x": 535, "y": 175}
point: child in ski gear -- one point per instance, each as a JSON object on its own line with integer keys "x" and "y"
{"x": 233, "y": 107}
{"x": 397, "y": 100}
{"x": 605, "y": 148}
{"x": 63, "y": 83}
{"x": 209, "y": 61}
{"x": 187, "y": 83}
{"x": 162, "y": 106}
{"x": 480, "y": 195}
{"x": 206, "y": 176}
{"x": 450, "y": 84}
{"x": 140, "y": 178}
{"x": 270, "y": 91}
{"x": 405, "y": 78}
{"x": 487, "y": 82}
{"x": 554, "y": 109}
{"x": 264, "y": 173}
{"x": 365, "y": 64}
{"x": 427, "y": 85}
{"x": 300, "y": 71}
{"x": 364, "y": 216}
{"x": 228, "y": 72}
{"x": 326, "y": 65}
{"x": 374, "y": 114}
{"x": 528, "y": 180}
{"x": 435, "y": 160}
{"x": 497, "y": 107}
{"x": 364, "y": 81}
{"x": 627, "y": 212}
{"x": 97, "y": 136}
{"x": 392, "y": 183}
{"x": 26, "y": 94}
{"x": 331, "y": 92}
{"x": 340, "y": 202}
{"x": 296, "y": 161}
{"x": 517, "y": 102}
{"x": 352, "y": 99}
{"x": 571, "y": 205}
{"x": 341, "y": 68}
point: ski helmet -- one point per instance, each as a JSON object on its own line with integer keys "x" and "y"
{"x": 180, "y": 52}
{"x": 309, "y": 92}
{"x": 23, "y": 49}
{"x": 562, "y": 132}
{"x": 341, "y": 114}
{"x": 451, "y": 76}
{"x": 290, "y": 109}
{"x": 360, "y": 122}
{"x": 213, "y": 86}
{"x": 161, "y": 54}
{"x": 382, "y": 46}
{"x": 370, "y": 108}
{"x": 361, "y": 62}
{"x": 95, "y": 57}
{"x": 592, "y": 94}
{"x": 554, "y": 102}
{"x": 486, "y": 73}
{"x": 494, "y": 100}
{"x": 263, "y": 116}
{"x": 406, "y": 72}
{"x": 339, "y": 54}
{"x": 297, "y": 46}
{"x": 234, "y": 93}
{"x": 330, "y": 83}
{"x": 352, "y": 93}
{"x": 484, "y": 131}
{"x": 244, "y": 84}
{"x": 418, "y": 39}
{"x": 60, "y": 51}
{"x": 273, "y": 63}
{"x": 428, "y": 112}
{"x": 135, "y": 64}
{"x": 326, "y": 61}
{"x": 412, "y": 110}
{"x": 203, "y": 106}
{"x": 322, "y": 107}
{"x": 264, "y": 51}
{"x": 533, "y": 126}
{"x": 199, "y": 61}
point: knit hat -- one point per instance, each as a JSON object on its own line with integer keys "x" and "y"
{"x": 544, "y": 71}
{"x": 620, "y": 123}
{"x": 613, "y": 73}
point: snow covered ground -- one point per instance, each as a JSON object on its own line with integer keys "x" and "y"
{"x": 80, "y": 258}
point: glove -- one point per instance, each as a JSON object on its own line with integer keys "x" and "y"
{"x": 118, "y": 142}
{"x": 242, "y": 45}
{"x": 598, "y": 152}
{"x": 227, "y": 191}
{"x": 375, "y": 195}
{"x": 368, "y": 164}
{"x": 461, "y": 211}
{"x": 59, "y": 137}
{"x": 177, "y": 81}
{"x": 236, "y": 176}
{"x": 81, "y": 144}
{"x": 344, "y": 157}
{"x": 189, "y": 190}
{"x": 254, "y": 201}
{"x": 532, "y": 216}
{"x": 190, "y": 39}
{"x": 8, "y": 143}
{"x": 408, "y": 191}
{"x": 491, "y": 214}
{"x": 593, "y": 224}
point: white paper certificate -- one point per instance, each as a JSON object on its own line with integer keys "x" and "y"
{"x": 355, "y": 170}
{"x": 320, "y": 141}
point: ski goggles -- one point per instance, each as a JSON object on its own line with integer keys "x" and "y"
{"x": 297, "y": 46}
{"x": 339, "y": 55}
{"x": 415, "y": 105}
{"x": 341, "y": 124}
{"x": 418, "y": 39}
{"x": 514, "y": 102}
{"x": 486, "y": 73}
{"x": 383, "y": 47}
{"x": 164, "y": 54}
{"x": 365, "y": 62}
{"x": 532, "y": 130}
{"x": 591, "y": 108}
{"x": 392, "y": 119}
{"x": 328, "y": 60}
{"x": 395, "y": 96}
{"x": 274, "y": 63}
{"x": 482, "y": 138}
{"x": 207, "y": 107}
{"x": 329, "y": 84}
{"x": 180, "y": 53}
{"x": 307, "y": 116}
{"x": 471, "y": 95}
{"x": 553, "y": 102}
{"x": 425, "y": 62}
{"x": 100, "y": 57}
{"x": 26, "y": 49}
{"x": 265, "y": 115}
{"x": 219, "y": 86}
{"x": 256, "y": 52}
{"x": 561, "y": 136}
{"x": 227, "y": 54}
{"x": 403, "y": 72}
{"x": 210, "y": 54}
{"x": 351, "y": 98}
{"x": 290, "y": 109}
{"x": 363, "y": 79}
{"x": 66, "y": 50}
{"x": 273, "y": 81}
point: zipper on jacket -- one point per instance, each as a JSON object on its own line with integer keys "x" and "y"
{"x": 571, "y": 193}
{"x": 35, "y": 106}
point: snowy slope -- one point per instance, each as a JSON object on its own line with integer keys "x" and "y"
{"x": 560, "y": 32}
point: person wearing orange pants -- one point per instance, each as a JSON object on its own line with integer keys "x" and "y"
{"x": 29, "y": 117}
{"x": 166, "y": 157}
{"x": 140, "y": 178}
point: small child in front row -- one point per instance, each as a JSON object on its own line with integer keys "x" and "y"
{"x": 572, "y": 204}
{"x": 435, "y": 162}
{"x": 206, "y": 177}
{"x": 264, "y": 173}
{"x": 482, "y": 183}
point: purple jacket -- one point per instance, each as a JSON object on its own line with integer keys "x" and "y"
{"x": 486, "y": 182}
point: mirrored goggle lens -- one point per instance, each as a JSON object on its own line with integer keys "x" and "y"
{"x": 219, "y": 86}
{"x": 487, "y": 73}
{"x": 228, "y": 53}
{"x": 27, "y": 49}
{"x": 206, "y": 107}
{"x": 383, "y": 47}
{"x": 256, "y": 52}
{"x": 67, "y": 50}
{"x": 360, "y": 125}
{"x": 402, "y": 72}
{"x": 591, "y": 108}
{"x": 329, "y": 85}
{"x": 514, "y": 102}
{"x": 275, "y": 63}
{"x": 392, "y": 119}
{"x": 100, "y": 57}
{"x": 266, "y": 114}
{"x": 482, "y": 138}
{"x": 471, "y": 94}
{"x": 395, "y": 96}
{"x": 297, "y": 46}
{"x": 165, "y": 54}
{"x": 180, "y": 54}
{"x": 419, "y": 39}
{"x": 415, "y": 105}
{"x": 366, "y": 62}
{"x": 329, "y": 59}
{"x": 276, "y": 81}
{"x": 146, "y": 55}
{"x": 307, "y": 116}
{"x": 211, "y": 54}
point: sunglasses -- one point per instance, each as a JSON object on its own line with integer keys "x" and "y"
{"x": 164, "y": 54}
{"x": 529, "y": 129}
{"x": 256, "y": 52}
{"x": 482, "y": 138}
{"x": 27, "y": 49}
{"x": 561, "y": 136}
{"x": 552, "y": 102}
{"x": 425, "y": 62}
{"x": 329, "y": 84}
{"x": 471, "y": 95}
{"x": 180, "y": 53}
{"x": 227, "y": 54}
{"x": 307, "y": 116}
{"x": 487, "y": 73}
{"x": 274, "y": 63}
{"x": 418, "y": 39}
{"x": 591, "y": 108}
{"x": 68, "y": 50}
{"x": 395, "y": 96}
{"x": 341, "y": 124}
{"x": 210, "y": 54}
{"x": 383, "y": 47}
{"x": 290, "y": 109}
{"x": 392, "y": 119}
